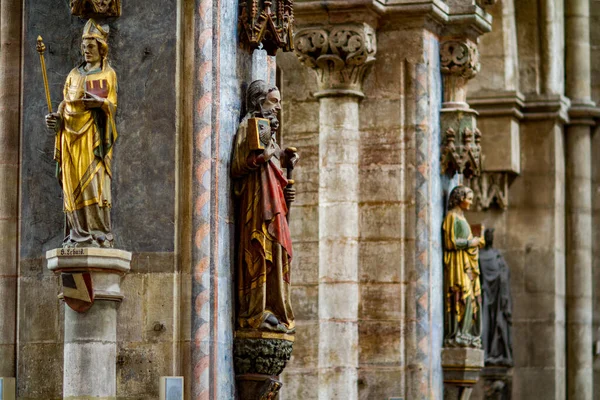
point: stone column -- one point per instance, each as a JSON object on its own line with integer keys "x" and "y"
{"x": 90, "y": 341}
{"x": 580, "y": 383}
{"x": 461, "y": 154}
{"x": 10, "y": 78}
{"x": 340, "y": 55}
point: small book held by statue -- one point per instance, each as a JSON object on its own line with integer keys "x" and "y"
{"x": 97, "y": 87}
{"x": 259, "y": 133}
{"x": 477, "y": 230}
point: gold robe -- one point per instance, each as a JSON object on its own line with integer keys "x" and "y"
{"x": 463, "y": 294}
{"x": 83, "y": 152}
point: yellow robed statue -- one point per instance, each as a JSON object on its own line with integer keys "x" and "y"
{"x": 462, "y": 288}
{"x": 85, "y": 135}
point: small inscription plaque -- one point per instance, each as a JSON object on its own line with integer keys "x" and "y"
{"x": 72, "y": 252}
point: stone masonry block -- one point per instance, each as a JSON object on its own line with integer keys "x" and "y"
{"x": 338, "y": 301}
{"x": 549, "y": 383}
{"x": 381, "y": 183}
{"x": 379, "y": 113}
{"x": 8, "y": 310}
{"x": 381, "y": 261}
{"x": 130, "y": 314}
{"x": 9, "y": 180}
{"x": 299, "y": 384}
{"x": 8, "y": 247}
{"x": 338, "y": 220}
{"x": 139, "y": 367}
{"x": 338, "y": 383}
{"x": 304, "y": 223}
{"x": 97, "y": 325}
{"x": 301, "y": 117}
{"x": 540, "y": 271}
{"x": 305, "y": 302}
{"x": 338, "y": 260}
{"x": 377, "y": 222}
{"x": 379, "y": 343}
{"x": 381, "y": 301}
{"x": 159, "y": 307}
{"x": 338, "y": 344}
{"x": 341, "y": 117}
{"x": 39, "y": 302}
{"x": 305, "y": 264}
{"x": 306, "y": 346}
{"x": 380, "y": 383}
{"x": 40, "y": 371}
{"x": 339, "y": 183}
{"x": 337, "y": 148}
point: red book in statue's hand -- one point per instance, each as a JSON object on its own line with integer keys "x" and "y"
{"x": 98, "y": 87}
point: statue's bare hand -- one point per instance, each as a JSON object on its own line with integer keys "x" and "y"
{"x": 475, "y": 241}
{"x": 90, "y": 100}
{"x": 290, "y": 194}
{"x": 53, "y": 121}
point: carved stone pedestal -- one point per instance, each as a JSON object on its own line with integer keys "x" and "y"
{"x": 461, "y": 367}
{"x": 259, "y": 358}
{"x": 497, "y": 382}
{"x": 91, "y": 284}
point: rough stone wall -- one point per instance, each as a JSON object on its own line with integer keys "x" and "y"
{"x": 142, "y": 50}
{"x": 531, "y": 233}
{"x": 400, "y": 208}
{"x": 300, "y": 128}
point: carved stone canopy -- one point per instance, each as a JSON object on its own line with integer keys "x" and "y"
{"x": 489, "y": 189}
{"x": 267, "y": 23}
{"x": 461, "y": 147}
{"x": 340, "y": 55}
{"x": 96, "y": 8}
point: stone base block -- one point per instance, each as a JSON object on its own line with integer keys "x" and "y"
{"x": 461, "y": 367}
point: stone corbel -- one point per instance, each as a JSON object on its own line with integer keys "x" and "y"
{"x": 461, "y": 147}
{"x": 340, "y": 56}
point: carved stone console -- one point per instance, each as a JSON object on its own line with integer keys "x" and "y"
{"x": 461, "y": 147}
{"x": 340, "y": 56}
{"x": 259, "y": 358}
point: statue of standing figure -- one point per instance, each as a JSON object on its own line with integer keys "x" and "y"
{"x": 497, "y": 305}
{"x": 85, "y": 134}
{"x": 462, "y": 289}
{"x": 263, "y": 196}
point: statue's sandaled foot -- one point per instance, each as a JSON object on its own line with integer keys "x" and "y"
{"x": 272, "y": 324}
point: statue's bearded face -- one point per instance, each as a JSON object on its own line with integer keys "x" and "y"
{"x": 272, "y": 104}
{"x": 101, "y": 6}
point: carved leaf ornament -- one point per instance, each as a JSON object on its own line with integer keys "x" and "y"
{"x": 459, "y": 58}
{"x": 463, "y": 158}
{"x": 267, "y": 24}
{"x": 340, "y": 56}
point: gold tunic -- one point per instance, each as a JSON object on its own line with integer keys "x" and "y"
{"x": 463, "y": 294}
{"x": 83, "y": 152}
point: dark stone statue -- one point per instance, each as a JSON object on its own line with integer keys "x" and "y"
{"x": 497, "y": 304}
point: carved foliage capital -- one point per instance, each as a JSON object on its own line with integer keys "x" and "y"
{"x": 460, "y": 58}
{"x": 340, "y": 55}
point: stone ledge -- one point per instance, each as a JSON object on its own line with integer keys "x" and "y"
{"x": 88, "y": 259}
